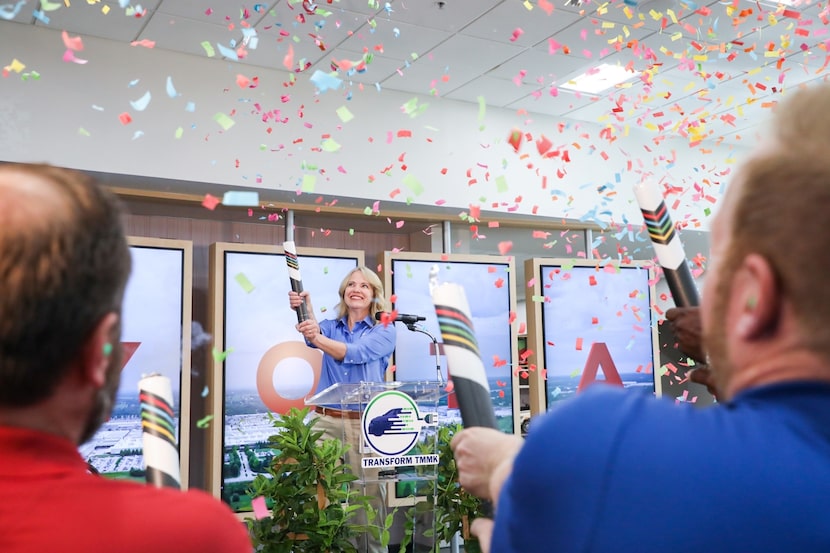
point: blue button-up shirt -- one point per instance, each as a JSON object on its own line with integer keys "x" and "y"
{"x": 368, "y": 349}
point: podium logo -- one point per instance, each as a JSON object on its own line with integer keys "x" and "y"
{"x": 392, "y": 422}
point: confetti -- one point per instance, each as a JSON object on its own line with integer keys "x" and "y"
{"x": 204, "y": 422}
{"x": 210, "y": 202}
{"x": 224, "y": 121}
{"x": 260, "y": 509}
{"x": 244, "y": 283}
{"x": 240, "y": 198}
{"x": 220, "y": 356}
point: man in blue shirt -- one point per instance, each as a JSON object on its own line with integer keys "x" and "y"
{"x": 611, "y": 472}
{"x": 356, "y": 348}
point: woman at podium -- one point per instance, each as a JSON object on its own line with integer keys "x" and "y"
{"x": 356, "y": 348}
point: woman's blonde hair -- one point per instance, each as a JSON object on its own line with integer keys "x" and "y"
{"x": 378, "y": 302}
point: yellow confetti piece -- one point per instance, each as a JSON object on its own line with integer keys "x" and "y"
{"x": 224, "y": 121}
{"x": 344, "y": 114}
{"x": 330, "y": 145}
{"x": 309, "y": 181}
{"x": 243, "y": 281}
{"x": 105, "y": 9}
{"x": 528, "y": 6}
{"x": 15, "y": 66}
{"x": 411, "y": 182}
{"x": 179, "y": 132}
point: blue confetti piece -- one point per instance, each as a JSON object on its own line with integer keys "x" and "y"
{"x": 226, "y": 52}
{"x": 241, "y": 198}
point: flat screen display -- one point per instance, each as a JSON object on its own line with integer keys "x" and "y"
{"x": 597, "y": 327}
{"x": 267, "y": 366}
{"x": 488, "y": 288}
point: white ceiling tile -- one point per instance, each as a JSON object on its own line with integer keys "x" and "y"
{"x": 172, "y": 32}
{"x": 543, "y": 102}
{"x": 89, "y": 19}
{"x": 502, "y": 22}
{"x": 218, "y": 13}
{"x": 309, "y": 38}
{"x": 398, "y": 40}
{"x": 453, "y": 16}
{"x": 452, "y": 64}
{"x": 378, "y": 70}
{"x": 496, "y": 92}
{"x": 539, "y": 67}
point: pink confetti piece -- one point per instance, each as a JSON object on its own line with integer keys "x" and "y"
{"x": 72, "y": 43}
{"x": 505, "y": 247}
{"x": 69, "y": 57}
{"x": 210, "y": 202}
{"x": 259, "y": 507}
{"x": 125, "y": 118}
{"x": 517, "y": 32}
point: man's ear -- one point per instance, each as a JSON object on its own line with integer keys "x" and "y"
{"x": 98, "y": 349}
{"x": 757, "y": 298}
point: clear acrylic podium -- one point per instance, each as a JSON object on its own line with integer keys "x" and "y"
{"x": 394, "y": 447}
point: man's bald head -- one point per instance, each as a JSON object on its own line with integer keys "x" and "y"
{"x": 64, "y": 263}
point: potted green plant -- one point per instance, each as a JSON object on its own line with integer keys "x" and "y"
{"x": 308, "y": 491}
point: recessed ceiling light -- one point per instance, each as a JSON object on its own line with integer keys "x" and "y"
{"x": 600, "y": 78}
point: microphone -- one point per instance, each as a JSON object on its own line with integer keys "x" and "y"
{"x": 405, "y": 319}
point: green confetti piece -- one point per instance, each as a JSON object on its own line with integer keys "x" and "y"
{"x": 575, "y": 373}
{"x": 367, "y": 210}
{"x": 411, "y": 182}
{"x": 209, "y": 51}
{"x": 537, "y": 299}
{"x": 344, "y": 114}
{"x": 243, "y": 281}
{"x": 325, "y": 270}
{"x": 220, "y": 356}
{"x": 179, "y": 132}
{"x": 501, "y": 183}
{"x": 204, "y": 422}
{"x": 351, "y": 232}
{"x": 83, "y": 132}
{"x": 262, "y": 147}
{"x": 330, "y": 145}
{"x": 224, "y": 121}
{"x": 482, "y": 108}
{"x": 707, "y": 211}
{"x": 308, "y": 183}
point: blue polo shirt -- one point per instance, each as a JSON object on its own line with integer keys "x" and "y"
{"x": 617, "y": 472}
{"x": 368, "y": 349}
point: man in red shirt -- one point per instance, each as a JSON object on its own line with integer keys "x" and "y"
{"x": 64, "y": 263}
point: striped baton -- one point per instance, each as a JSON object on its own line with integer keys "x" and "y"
{"x": 294, "y": 275}
{"x": 463, "y": 358}
{"x": 158, "y": 425}
{"x": 667, "y": 245}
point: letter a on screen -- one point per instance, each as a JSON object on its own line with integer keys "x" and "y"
{"x": 599, "y": 356}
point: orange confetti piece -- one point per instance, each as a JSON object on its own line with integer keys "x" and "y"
{"x": 579, "y": 344}
{"x": 505, "y": 247}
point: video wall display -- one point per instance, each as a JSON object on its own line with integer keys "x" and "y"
{"x": 155, "y": 337}
{"x": 591, "y": 322}
{"x": 261, "y": 363}
{"x": 490, "y": 290}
